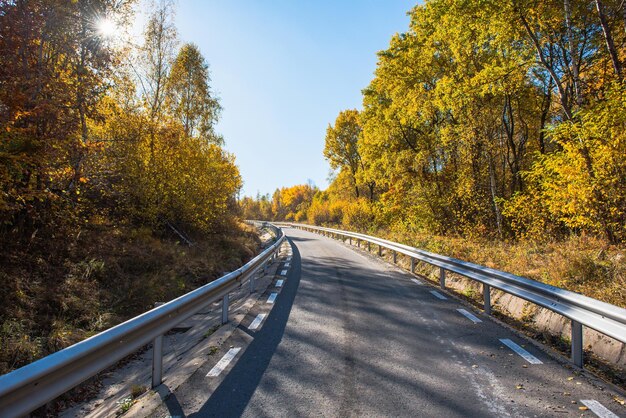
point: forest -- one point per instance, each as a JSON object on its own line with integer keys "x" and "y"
{"x": 493, "y": 131}
{"x": 113, "y": 181}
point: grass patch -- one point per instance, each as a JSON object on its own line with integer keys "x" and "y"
{"x": 125, "y": 404}
{"x": 137, "y": 390}
{"x": 62, "y": 289}
{"x": 210, "y": 331}
{"x": 582, "y": 264}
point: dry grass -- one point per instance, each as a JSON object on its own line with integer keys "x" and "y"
{"x": 60, "y": 290}
{"x": 581, "y": 264}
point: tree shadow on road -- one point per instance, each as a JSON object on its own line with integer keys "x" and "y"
{"x": 234, "y": 393}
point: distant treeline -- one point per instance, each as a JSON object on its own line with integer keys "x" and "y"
{"x": 500, "y": 119}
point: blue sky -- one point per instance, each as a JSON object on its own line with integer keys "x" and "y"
{"x": 283, "y": 70}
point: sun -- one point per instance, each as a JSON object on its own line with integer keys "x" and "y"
{"x": 106, "y": 27}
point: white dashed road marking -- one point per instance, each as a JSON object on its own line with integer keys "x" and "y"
{"x": 272, "y": 297}
{"x": 279, "y": 283}
{"x": 224, "y": 362}
{"x": 417, "y": 282}
{"x": 286, "y": 265}
{"x": 469, "y": 316}
{"x": 283, "y": 273}
{"x": 519, "y": 350}
{"x": 438, "y": 295}
{"x": 257, "y": 321}
{"x": 598, "y": 409}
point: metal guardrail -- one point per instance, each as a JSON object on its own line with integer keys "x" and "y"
{"x": 27, "y": 388}
{"x": 605, "y": 318}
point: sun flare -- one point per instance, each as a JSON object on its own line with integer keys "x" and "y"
{"x": 106, "y": 27}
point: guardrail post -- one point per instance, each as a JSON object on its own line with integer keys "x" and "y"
{"x": 358, "y": 243}
{"x": 487, "y": 298}
{"x": 380, "y": 251}
{"x": 157, "y": 361}
{"x": 369, "y": 247}
{"x": 577, "y": 343}
{"x": 442, "y": 278}
{"x": 350, "y": 240}
{"x": 225, "y": 309}
{"x": 252, "y": 279}
{"x": 395, "y": 257}
{"x": 412, "y": 265}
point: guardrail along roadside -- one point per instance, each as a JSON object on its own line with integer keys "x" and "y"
{"x": 582, "y": 311}
{"x": 25, "y": 389}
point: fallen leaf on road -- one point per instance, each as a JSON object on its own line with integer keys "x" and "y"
{"x": 619, "y": 401}
{"x": 583, "y": 408}
{"x": 570, "y": 378}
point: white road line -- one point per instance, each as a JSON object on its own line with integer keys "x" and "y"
{"x": 279, "y": 283}
{"x": 288, "y": 258}
{"x": 283, "y": 273}
{"x": 286, "y": 265}
{"x": 257, "y": 321}
{"x": 417, "y": 282}
{"x": 598, "y": 409}
{"x": 438, "y": 295}
{"x": 469, "y": 316}
{"x": 224, "y": 362}
{"x": 519, "y": 350}
{"x": 272, "y": 297}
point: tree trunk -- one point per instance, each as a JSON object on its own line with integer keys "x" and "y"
{"x": 494, "y": 202}
{"x": 563, "y": 95}
{"x": 573, "y": 52}
{"x": 545, "y": 111}
{"x": 610, "y": 45}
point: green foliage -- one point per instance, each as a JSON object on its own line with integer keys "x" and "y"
{"x": 125, "y": 404}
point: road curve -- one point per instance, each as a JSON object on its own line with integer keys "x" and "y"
{"x": 351, "y": 336}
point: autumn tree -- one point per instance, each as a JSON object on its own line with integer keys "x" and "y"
{"x": 162, "y": 150}
{"x": 55, "y": 70}
{"x": 489, "y": 119}
{"x": 189, "y": 96}
{"x": 341, "y": 145}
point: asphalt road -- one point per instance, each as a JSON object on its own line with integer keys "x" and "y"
{"x": 350, "y": 336}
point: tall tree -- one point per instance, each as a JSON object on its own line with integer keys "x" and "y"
{"x": 157, "y": 55}
{"x": 341, "y": 144}
{"x": 189, "y": 95}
